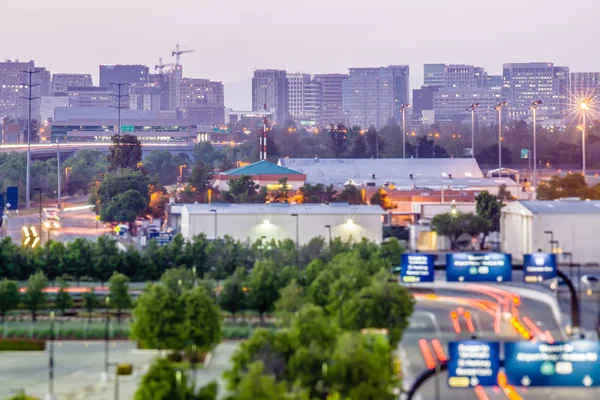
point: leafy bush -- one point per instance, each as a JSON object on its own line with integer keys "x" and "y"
{"x": 22, "y": 345}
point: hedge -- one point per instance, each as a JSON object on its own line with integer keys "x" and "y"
{"x": 117, "y": 333}
{"x": 22, "y": 345}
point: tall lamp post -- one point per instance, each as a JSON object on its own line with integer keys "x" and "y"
{"x": 403, "y": 108}
{"x": 214, "y": 210}
{"x": 50, "y": 395}
{"x": 499, "y": 109}
{"x": 40, "y": 191}
{"x": 584, "y": 107}
{"x": 472, "y": 108}
{"x": 297, "y": 230}
{"x": 106, "y": 334}
{"x": 330, "y": 243}
{"x": 534, "y": 107}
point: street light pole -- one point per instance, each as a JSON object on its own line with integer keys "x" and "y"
{"x": 40, "y": 190}
{"x": 214, "y": 210}
{"x": 534, "y": 107}
{"x": 584, "y": 106}
{"x": 106, "y": 348}
{"x": 297, "y": 230}
{"x": 472, "y": 108}
{"x": 330, "y": 243}
{"x": 51, "y": 360}
{"x": 499, "y": 108}
{"x": 402, "y": 110}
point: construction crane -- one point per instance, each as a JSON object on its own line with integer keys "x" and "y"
{"x": 178, "y": 52}
{"x": 160, "y": 66}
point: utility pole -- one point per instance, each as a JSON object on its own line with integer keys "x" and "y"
{"x": 119, "y": 106}
{"x": 30, "y": 99}
{"x": 58, "y": 173}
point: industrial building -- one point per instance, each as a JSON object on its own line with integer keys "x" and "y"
{"x": 262, "y": 173}
{"x": 280, "y": 221}
{"x": 525, "y": 228}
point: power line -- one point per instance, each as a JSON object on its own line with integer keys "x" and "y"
{"x": 119, "y": 106}
{"x": 30, "y": 99}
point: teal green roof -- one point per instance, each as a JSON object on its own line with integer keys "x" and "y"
{"x": 262, "y": 168}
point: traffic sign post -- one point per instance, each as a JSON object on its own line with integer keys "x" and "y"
{"x": 524, "y": 153}
{"x": 478, "y": 267}
{"x": 417, "y": 268}
{"x": 473, "y": 363}
{"x": 573, "y": 363}
{"x": 539, "y": 267}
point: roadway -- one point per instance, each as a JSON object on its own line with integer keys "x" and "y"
{"x": 73, "y": 224}
{"x": 449, "y": 312}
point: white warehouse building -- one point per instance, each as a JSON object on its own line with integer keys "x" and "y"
{"x": 281, "y": 221}
{"x": 573, "y": 223}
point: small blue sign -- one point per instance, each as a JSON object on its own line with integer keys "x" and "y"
{"x": 472, "y": 363}
{"x": 539, "y": 267}
{"x": 478, "y": 267}
{"x": 417, "y": 268}
{"x": 12, "y": 198}
{"x": 573, "y": 363}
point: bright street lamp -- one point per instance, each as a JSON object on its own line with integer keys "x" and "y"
{"x": 499, "y": 109}
{"x": 584, "y": 107}
{"x": 534, "y": 107}
{"x": 472, "y": 108}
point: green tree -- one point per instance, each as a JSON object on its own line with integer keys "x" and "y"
{"x": 118, "y": 288}
{"x": 84, "y": 166}
{"x": 125, "y": 152}
{"x": 9, "y": 297}
{"x": 106, "y": 257}
{"x": 233, "y": 297}
{"x": 178, "y": 279}
{"x": 161, "y": 383}
{"x": 201, "y": 319}
{"x": 125, "y": 207}
{"x": 384, "y": 304}
{"x": 281, "y": 195}
{"x": 351, "y": 194}
{"x": 202, "y": 177}
{"x": 158, "y": 319}
{"x": 78, "y": 258}
{"x": 450, "y": 225}
{"x": 165, "y": 167}
{"x": 361, "y": 368}
{"x": 257, "y": 385}
{"x": 243, "y": 190}
{"x": 567, "y": 186}
{"x": 359, "y": 147}
{"x": 35, "y": 297}
{"x": 263, "y": 286}
{"x": 114, "y": 185}
{"x": 289, "y": 302}
{"x": 382, "y": 199}
{"x": 90, "y": 303}
{"x": 63, "y": 298}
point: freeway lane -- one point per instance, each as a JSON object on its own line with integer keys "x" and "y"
{"x": 434, "y": 319}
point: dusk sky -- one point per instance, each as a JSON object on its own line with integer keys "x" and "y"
{"x": 233, "y": 37}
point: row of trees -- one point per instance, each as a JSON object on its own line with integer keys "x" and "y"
{"x": 35, "y": 298}
{"x": 322, "y": 306}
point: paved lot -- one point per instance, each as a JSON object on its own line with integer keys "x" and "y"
{"x": 79, "y": 368}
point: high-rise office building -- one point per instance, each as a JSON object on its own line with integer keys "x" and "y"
{"x": 62, "y": 82}
{"x": 373, "y": 96}
{"x": 451, "y": 104}
{"x": 332, "y": 111}
{"x": 91, "y": 97}
{"x": 296, "y": 95}
{"x": 202, "y": 101}
{"x": 525, "y": 83}
{"x": 132, "y": 74}
{"x": 585, "y": 85}
{"x": 422, "y": 107}
{"x": 493, "y": 81}
{"x": 454, "y": 75}
{"x": 270, "y": 88}
{"x": 144, "y": 97}
{"x": 13, "y": 87}
{"x": 313, "y": 103}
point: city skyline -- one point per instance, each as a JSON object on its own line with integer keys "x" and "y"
{"x": 402, "y": 34}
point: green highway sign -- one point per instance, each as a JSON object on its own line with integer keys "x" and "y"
{"x": 524, "y": 153}
{"x": 127, "y": 128}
